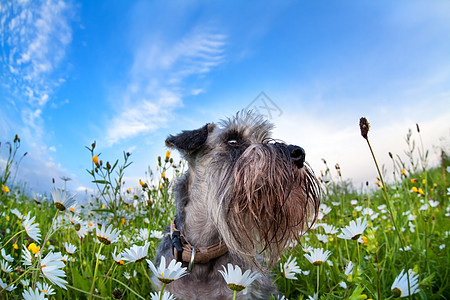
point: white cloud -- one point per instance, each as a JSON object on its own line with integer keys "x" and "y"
{"x": 342, "y": 142}
{"x": 157, "y": 81}
{"x": 34, "y": 36}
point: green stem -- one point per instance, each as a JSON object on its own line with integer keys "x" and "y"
{"x": 4, "y": 245}
{"x": 20, "y": 277}
{"x": 346, "y": 247}
{"x": 84, "y": 292}
{"x": 234, "y": 295}
{"x": 127, "y": 287}
{"x": 359, "y": 257}
{"x": 95, "y": 271}
{"x": 388, "y": 202}
{"x": 318, "y": 271}
{"x": 148, "y": 277}
{"x": 162, "y": 291}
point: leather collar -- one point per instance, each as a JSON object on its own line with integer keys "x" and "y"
{"x": 183, "y": 251}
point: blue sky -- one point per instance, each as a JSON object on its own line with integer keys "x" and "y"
{"x": 128, "y": 73}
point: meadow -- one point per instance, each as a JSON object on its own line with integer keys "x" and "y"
{"x": 381, "y": 238}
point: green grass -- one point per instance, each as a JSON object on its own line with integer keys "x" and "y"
{"x": 424, "y": 231}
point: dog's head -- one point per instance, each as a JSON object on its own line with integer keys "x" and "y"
{"x": 260, "y": 194}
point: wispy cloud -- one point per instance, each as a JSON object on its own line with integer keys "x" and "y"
{"x": 34, "y": 37}
{"x": 158, "y": 80}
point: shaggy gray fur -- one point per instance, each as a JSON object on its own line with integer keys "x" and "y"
{"x": 246, "y": 190}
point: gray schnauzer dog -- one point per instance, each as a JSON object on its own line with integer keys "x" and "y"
{"x": 244, "y": 199}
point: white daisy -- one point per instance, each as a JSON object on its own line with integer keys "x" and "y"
{"x": 7, "y": 257}
{"x": 51, "y": 267}
{"x": 433, "y": 203}
{"x": 156, "y": 234}
{"x": 165, "y": 296}
{"x": 329, "y": 229}
{"x": 354, "y": 202}
{"x": 117, "y": 258}
{"x": 136, "y": 253}
{"x": 25, "y": 282}
{"x": 26, "y": 256}
{"x": 71, "y": 249}
{"x": 81, "y": 229}
{"x": 32, "y": 229}
{"x": 4, "y": 265}
{"x": 323, "y": 211}
{"x": 400, "y": 286}
{"x": 313, "y": 297}
{"x": 45, "y": 288}
{"x": 4, "y": 285}
{"x": 107, "y": 235}
{"x": 167, "y": 274}
{"x": 237, "y": 281}
{"x": 101, "y": 257}
{"x": 290, "y": 268}
{"x": 354, "y": 230}
{"x": 31, "y": 294}
{"x": 318, "y": 256}
{"x": 423, "y": 207}
{"x": 143, "y": 234}
{"x": 16, "y": 212}
{"x": 367, "y": 211}
{"x": 348, "y": 269}
{"x": 322, "y": 237}
{"x": 62, "y": 199}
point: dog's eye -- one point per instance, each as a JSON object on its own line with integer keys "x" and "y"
{"x": 233, "y": 143}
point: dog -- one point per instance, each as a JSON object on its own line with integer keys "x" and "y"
{"x": 244, "y": 199}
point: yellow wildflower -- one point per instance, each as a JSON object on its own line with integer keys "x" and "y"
{"x": 15, "y": 246}
{"x": 7, "y": 218}
{"x": 420, "y": 191}
{"x": 403, "y": 171}
{"x": 33, "y": 248}
{"x": 103, "y": 206}
{"x": 163, "y": 175}
{"x": 354, "y": 213}
{"x": 364, "y": 238}
{"x": 5, "y": 189}
{"x": 95, "y": 160}
{"x": 413, "y": 180}
{"x": 415, "y": 190}
{"x": 423, "y": 181}
{"x": 123, "y": 221}
{"x": 167, "y": 155}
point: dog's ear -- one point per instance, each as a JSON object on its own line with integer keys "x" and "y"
{"x": 189, "y": 141}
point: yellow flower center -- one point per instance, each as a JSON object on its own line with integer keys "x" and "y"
{"x": 104, "y": 240}
{"x": 60, "y": 206}
{"x": 236, "y": 287}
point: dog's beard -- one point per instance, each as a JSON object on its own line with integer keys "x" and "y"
{"x": 271, "y": 204}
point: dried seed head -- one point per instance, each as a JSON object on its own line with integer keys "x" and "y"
{"x": 418, "y": 129}
{"x": 364, "y": 126}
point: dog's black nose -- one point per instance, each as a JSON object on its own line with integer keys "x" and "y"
{"x": 297, "y": 155}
